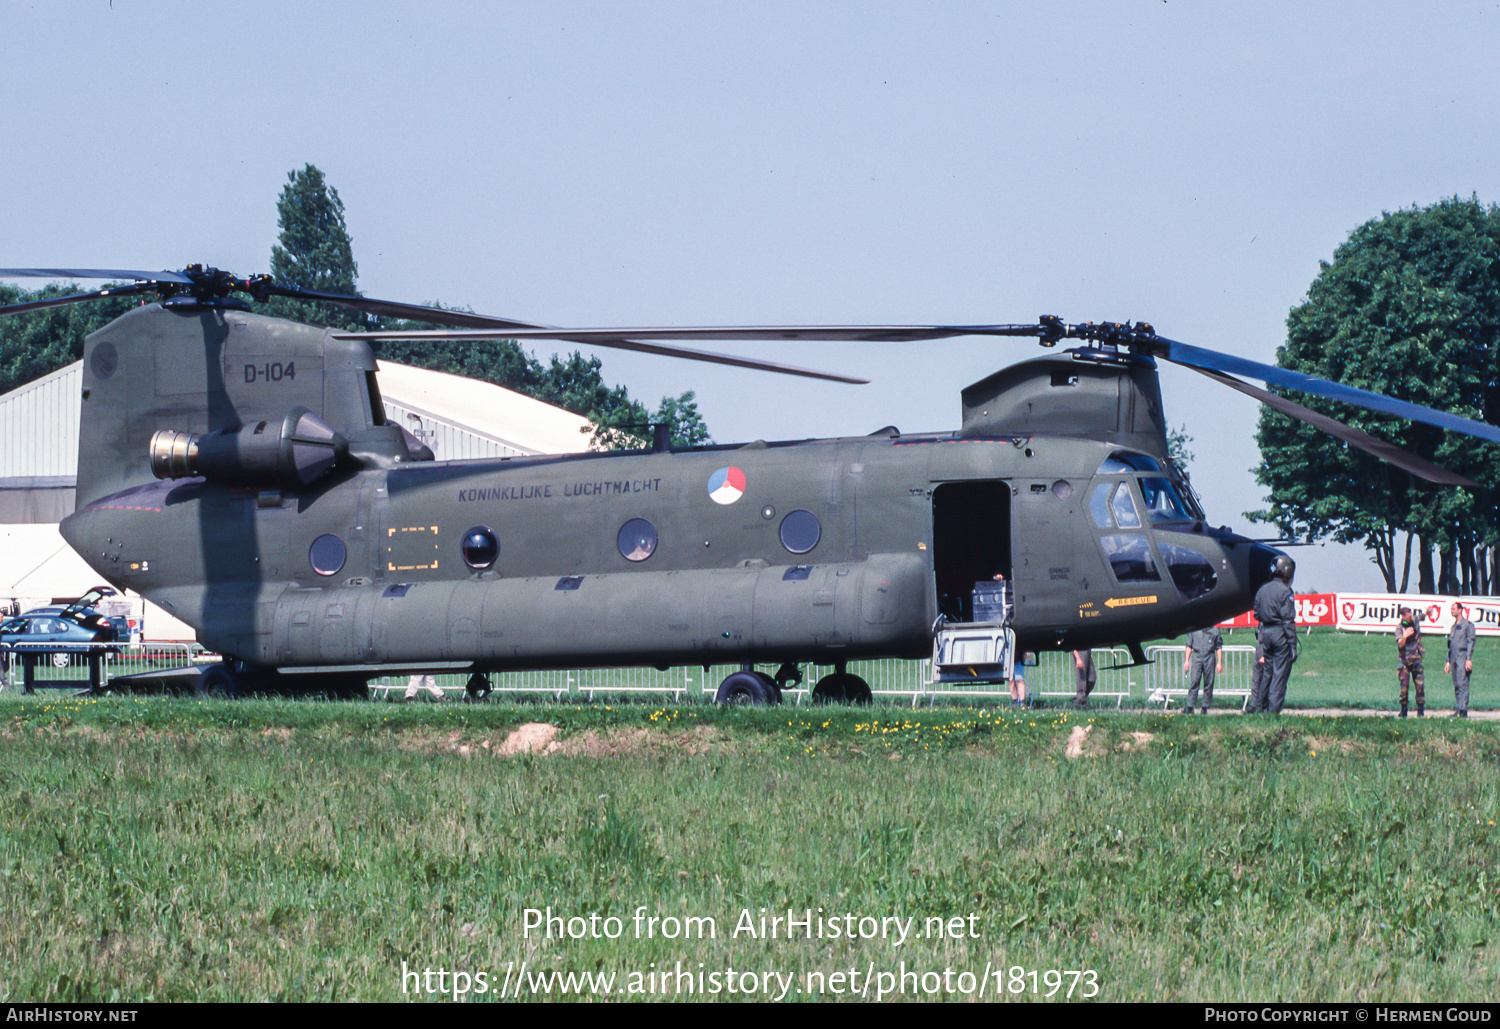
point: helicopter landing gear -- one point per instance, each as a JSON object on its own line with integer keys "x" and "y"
{"x": 748, "y": 689}
{"x": 842, "y": 688}
{"x": 787, "y": 676}
{"x": 218, "y": 682}
{"x": 478, "y": 687}
{"x": 351, "y": 687}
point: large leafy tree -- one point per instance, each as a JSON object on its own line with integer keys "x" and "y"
{"x": 1409, "y": 307}
{"x": 313, "y": 251}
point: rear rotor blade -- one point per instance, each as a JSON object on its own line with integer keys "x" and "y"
{"x": 1388, "y": 452}
{"x": 394, "y": 309}
{"x": 609, "y": 338}
{"x": 77, "y": 298}
{"x": 1212, "y": 360}
{"x": 93, "y": 273}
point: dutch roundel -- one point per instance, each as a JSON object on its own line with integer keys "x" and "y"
{"x": 726, "y": 485}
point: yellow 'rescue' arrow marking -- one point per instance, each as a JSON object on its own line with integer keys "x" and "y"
{"x": 1129, "y": 601}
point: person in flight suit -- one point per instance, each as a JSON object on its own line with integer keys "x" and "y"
{"x": 1460, "y": 658}
{"x": 1409, "y": 653}
{"x": 1203, "y": 661}
{"x": 1276, "y": 639}
{"x": 1085, "y": 676}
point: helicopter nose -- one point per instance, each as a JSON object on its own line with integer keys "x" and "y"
{"x": 1262, "y": 564}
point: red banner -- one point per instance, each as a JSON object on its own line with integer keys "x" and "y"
{"x": 1312, "y": 609}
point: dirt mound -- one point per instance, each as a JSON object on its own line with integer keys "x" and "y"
{"x": 531, "y": 738}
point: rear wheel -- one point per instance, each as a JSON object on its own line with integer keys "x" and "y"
{"x": 218, "y": 682}
{"x": 842, "y": 688}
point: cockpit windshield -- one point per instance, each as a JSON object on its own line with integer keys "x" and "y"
{"x": 1163, "y": 501}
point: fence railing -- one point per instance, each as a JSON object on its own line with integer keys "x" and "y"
{"x": 1051, "y": 677}
{"x": 57, "y": 665}
{"x": 1166, "y": 681}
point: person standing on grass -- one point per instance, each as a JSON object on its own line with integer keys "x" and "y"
{"x": 1203, "y": 661}
{"x": 1409, "y": 652}
{"x": 1018, "y": 681}
{"x": 1085, "y": 676}
{"x": 1460, "y": 659}
{"x": 1276, "y": 638}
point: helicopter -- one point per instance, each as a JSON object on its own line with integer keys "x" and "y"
{"x": 238, "y": 470}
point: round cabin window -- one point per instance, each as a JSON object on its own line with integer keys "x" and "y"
{"x": 637, "y": 540}
{"x": 327, "y": 554}
{"x": 800, "y": 531}
{"x": 480, "y": 548}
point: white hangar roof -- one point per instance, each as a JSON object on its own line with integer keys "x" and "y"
{"x": 463, "y": 418}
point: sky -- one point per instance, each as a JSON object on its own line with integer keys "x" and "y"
{"x": 607, "y": 163}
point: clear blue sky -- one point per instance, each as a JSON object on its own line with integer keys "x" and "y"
{"x": 602, "y": 163}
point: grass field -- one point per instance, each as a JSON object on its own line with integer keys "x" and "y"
{"x": 172, "y": 849}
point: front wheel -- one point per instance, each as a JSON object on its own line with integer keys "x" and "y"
{"x": 747, "y": 689}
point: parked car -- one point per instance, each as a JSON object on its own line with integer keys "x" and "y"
{"x": 71, "y": 624}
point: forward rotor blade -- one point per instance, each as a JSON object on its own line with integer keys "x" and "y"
{"x": 1388, "y": 452}
{"x": 93, "y": 273}
{"x": 77, "y": 298}
{"x": 630, "y": 339}
{"x": 1212, "y": 360}
{"x": 813, "y": 333}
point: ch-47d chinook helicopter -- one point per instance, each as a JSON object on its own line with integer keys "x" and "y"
{"x": 238, "y": 470}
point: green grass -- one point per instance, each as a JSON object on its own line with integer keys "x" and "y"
{"x": 171, "y": 849}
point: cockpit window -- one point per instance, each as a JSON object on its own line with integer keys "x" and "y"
{"x": 1127, "y": 461}
{"x": 1099, "y": 505}
{"x": 1191, "y": 572}
{"x": 1130, "y": 558}
{"x": 1163, "y": 502}
{"x": 1123, "y": 506}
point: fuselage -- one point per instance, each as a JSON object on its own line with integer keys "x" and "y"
{"x": 810, "y": 551}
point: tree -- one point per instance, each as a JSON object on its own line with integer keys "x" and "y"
{"x": 1409, "y": 307}
{"x": 38, "y": 342}
{"x": 313, "y": 251}
{"x": 1178, "y": 453}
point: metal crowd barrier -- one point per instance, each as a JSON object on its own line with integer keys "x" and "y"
{"x": 1051, "y": 677}
{"x": 1166, "y": 681}
{"x": 72, "y": 665}
{"x": 76, "y": 666}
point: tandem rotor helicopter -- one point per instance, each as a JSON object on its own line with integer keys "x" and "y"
{"x": 238, "y": 470}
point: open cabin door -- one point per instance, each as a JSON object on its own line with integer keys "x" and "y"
{"x": 971, "y": 545}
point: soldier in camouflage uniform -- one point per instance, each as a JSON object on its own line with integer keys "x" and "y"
{"x": 1409, "y": 652}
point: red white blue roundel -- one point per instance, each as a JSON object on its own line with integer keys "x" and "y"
{"x": 726, "y": 485}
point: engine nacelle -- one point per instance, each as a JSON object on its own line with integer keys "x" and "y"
{"x": 291, "y": 455}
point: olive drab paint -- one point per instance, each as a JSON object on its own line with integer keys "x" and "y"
{"x": 811, "y": 551}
